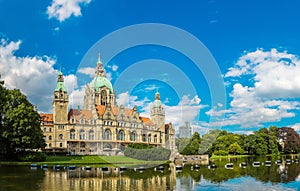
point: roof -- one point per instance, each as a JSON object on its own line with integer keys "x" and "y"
{"x": 60, "y": 86}
{"x": 78, "y": 114}
{"x": 47, "y": 117}
{"x": 101, "y": 81}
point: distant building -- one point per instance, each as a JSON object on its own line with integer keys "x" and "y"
{"x": 102, "y": 127}
{"x": 185, "y": 131}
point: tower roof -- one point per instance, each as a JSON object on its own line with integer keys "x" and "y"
{"x": 100, "y": 79}
{"x": 60, "y": 83}
{"x": 157, "y": 101}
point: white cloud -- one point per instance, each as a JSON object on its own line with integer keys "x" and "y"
{"x": 296, "y": 127}
{"x": 70, "y": 82}
{"x": 34, "y": 76}
{"x": 186, "y": 110}
{"x": 123, "y": 99}
{"x": 87, "y": 70}
{"x": 273, "y": 84}
{"x": 63, "y": 9}
{"x": 76, "y": 98}
{"x": 151, "y": 87}
{"x": 114, "y": 68}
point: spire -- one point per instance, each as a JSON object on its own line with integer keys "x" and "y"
{"x": 99, "y": 68}
{"x": 157, "y": 95}
{"x": 60, "y": 77}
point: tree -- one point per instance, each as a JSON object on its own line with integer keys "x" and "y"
{"x": 235, "y": 148}
{"x": 193, "y": 146}
{"x": 20, "y": 123}
{"x": 289, "y": 139}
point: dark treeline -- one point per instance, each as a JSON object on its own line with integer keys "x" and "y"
{"x": 273, "y": 140}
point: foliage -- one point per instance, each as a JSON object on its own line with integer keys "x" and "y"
{"x": 31, "y": 156}
{"x": 221, "y": 152}
{"x": 290, "y": 139}
{"x": 192, "y": 148}
{"x": 235, "y": 148}
{"x": 181, "y": 143}
{"x": 154, "y": 154}
{"x": 20, "y": 123}
{"x": 139, "y": 146}
{"x": 206, "y": 146}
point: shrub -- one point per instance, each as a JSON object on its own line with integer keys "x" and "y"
{"x": 221, "y": 152}
{"x": 157, "y": 153}
{"x": 31, "y": 156}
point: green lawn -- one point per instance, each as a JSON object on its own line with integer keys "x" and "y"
{"x": 87, "y": 160}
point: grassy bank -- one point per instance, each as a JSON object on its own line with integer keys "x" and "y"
{"x": 217, "y": 157}
{"x": 86, "y": 160}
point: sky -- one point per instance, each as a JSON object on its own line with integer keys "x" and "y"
{"x": 231, "y": 65}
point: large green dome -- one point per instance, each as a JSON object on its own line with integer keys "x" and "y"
{"x": 100, "y": 81}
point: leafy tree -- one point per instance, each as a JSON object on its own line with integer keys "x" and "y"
{"x": 208, "y": 140}
{"x": 193, "y": 147}
{"x": 235, "y": 148}
{"x": 181, "y": 143}
{"x": 20, "y": 123}
{"x": 289, "y": 139}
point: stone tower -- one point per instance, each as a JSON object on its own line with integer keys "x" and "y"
{"x": 157, "y": 112}
{"x": 99, "y": 91}
{"x": 60, "y": 102}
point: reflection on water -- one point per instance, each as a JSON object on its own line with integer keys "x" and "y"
{"x": 269, "y": 175}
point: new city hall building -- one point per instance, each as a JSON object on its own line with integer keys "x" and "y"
{"x": 102, "y": 127}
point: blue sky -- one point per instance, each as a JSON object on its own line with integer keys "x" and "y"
{"x": 218, "y": 64}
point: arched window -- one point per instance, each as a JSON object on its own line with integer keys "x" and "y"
{"x": 60, "y": 144}
{"x": 72, "y": 134}
{"x": 133, "y": 136}
{"x": 91, "y": 135}
{"x": 107, "y": 146}
{"x": 144, "y": 137}
{"x": 50, "y": 145}
{"x": 107, "y": 134}
{"x": 155, "y": 138}
{"x": 81, "y": 134}
{"x": 103, "y": 97}
{"x": 149, "y": 138}
{"x": 121, "y": 135}
{"x": 50, "y": 138}
{"x": 60, "y": 136}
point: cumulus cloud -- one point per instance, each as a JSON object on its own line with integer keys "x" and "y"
{"x": 34, "y": 76}
{"x": 296, "y": 127}
{"x": 123, "y": 99}
{"x": 63, "y": 9}
{"x": 186, "y": 110}
{"x": 87, "y": 70}
{"x": 273, "y": 84}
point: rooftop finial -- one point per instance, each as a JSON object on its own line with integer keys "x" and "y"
{"x": 99, "y": 57}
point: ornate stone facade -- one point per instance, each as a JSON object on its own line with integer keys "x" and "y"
{"x": 102, "y": 127}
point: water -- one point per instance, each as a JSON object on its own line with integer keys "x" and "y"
{"x": 273, "y": 177}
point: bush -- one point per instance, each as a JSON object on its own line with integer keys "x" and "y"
{"x": 221, "y": 152}
{"x": 157, "y": 153}
{"x": 31, "y": 156}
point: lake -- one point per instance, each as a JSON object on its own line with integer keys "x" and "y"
{"x": 276, "y": 175}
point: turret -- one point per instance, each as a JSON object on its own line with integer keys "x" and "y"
{"x": 60, "y": 101}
